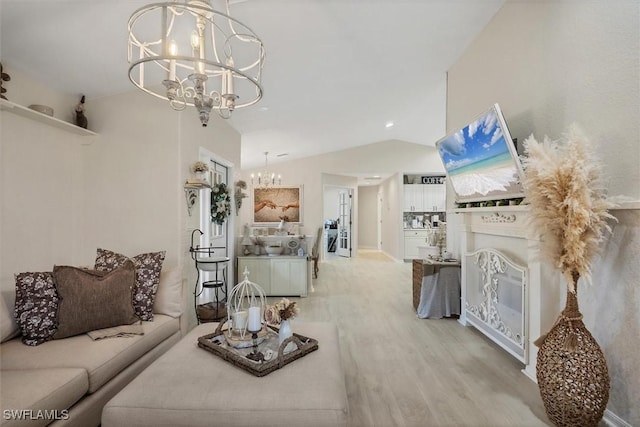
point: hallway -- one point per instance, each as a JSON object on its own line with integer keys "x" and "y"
{"x": 405, "y": 371}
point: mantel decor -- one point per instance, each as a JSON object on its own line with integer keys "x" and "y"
{"x": 570, "y": 212}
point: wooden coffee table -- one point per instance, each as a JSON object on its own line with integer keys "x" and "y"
{"x": 189, "y": 386}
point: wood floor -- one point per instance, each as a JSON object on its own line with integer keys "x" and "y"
{"x": 405, "y": 371}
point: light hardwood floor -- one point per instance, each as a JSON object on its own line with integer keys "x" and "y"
{"x": 405, "y": 371}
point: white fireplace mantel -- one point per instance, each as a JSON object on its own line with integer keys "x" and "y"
{"x": 505, "y": 229}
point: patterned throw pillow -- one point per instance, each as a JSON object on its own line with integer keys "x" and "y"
{"x": 36, "y": 307}
{"x": 148, "y": 268}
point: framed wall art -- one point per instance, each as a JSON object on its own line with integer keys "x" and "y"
{"x": 273, "y": 204}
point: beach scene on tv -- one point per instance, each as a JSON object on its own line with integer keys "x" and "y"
{"x": 478, "y": 161}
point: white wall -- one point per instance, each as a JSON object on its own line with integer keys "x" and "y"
{"x": 330, "y": 201}
{"x": 550, "y": 64}
{"x": 368, "y": 217}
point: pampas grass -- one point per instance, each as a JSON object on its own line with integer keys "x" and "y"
{"x": 568, "y": 205}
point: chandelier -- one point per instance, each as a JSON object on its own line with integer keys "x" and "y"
{"x": 190, "y": 54}
{"x": 266, "y": 178}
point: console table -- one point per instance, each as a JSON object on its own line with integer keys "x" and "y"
{"x": 436, "y": 288}
{"x": 280, "y": 275}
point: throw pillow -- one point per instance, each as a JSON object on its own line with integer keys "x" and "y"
{"x": 36, "y": 307}
{"x": 148, "y": 267}
{"x": 91, "y": 300}
{"x": 169, "y": 297}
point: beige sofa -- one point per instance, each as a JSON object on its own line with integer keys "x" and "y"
{"x": 68, "y": 381}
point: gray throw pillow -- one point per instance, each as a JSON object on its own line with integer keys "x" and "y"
{"x": 91, "y": 300}
{"x": 36, "y": 307}
{"x": 148, "y": 267}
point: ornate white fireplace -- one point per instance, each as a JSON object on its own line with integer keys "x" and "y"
{"x": 507, "y": 293}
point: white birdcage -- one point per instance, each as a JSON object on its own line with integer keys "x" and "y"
{"x": 245, "y": 308}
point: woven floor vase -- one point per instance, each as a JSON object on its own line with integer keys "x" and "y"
{"x": 572, "y": 371}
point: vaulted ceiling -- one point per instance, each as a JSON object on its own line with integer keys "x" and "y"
{"x": 336, "y": 71}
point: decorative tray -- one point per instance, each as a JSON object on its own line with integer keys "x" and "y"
{"x": 275, "y": 356}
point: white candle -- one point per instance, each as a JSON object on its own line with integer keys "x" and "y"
{"x": 173, "y": 50}
{"x": 254, "y": 319}
{"x": 240, "y": 320}
{"x": 172, "y": 69}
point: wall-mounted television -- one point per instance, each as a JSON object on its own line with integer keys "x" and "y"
{"x": 481, "y": 160}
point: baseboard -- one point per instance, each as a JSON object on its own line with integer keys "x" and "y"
{"x": 392, "y": 257}
{"x": 528, "y": 375}
{"x": 613, "y": 420}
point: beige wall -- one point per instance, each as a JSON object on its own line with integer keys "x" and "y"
{"x": 368, "y": 218}
{"x": 62, "y": 198}
{"x": 391, "y": 194}
{"x": 41, "y": 172}
{"x": 550, "y": 64}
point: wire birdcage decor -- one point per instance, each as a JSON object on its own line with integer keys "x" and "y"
{"x": 245, "y": 308}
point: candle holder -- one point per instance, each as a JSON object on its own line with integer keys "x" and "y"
{"x": 245, "y": 307}
{"x": 255, "y": 355}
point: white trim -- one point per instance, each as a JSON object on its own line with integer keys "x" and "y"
{"x": 613, "y": 420}
{"x": 632, "y": 205}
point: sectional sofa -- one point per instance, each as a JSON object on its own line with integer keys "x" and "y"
{"x": 68, "y": 381}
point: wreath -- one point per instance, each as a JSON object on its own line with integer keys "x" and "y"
{"x": 220, "y": 203}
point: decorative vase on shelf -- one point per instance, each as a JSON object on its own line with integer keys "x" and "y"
{"x": 571, "y": 370}
{"x": 284, "y": 332}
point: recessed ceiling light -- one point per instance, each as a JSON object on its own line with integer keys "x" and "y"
{"x": 264, "y": 108}
{"x": 389, "y": 125}
{"x": 282, "y": 154}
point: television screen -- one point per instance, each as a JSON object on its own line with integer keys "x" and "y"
{"x": 481, "y": 160}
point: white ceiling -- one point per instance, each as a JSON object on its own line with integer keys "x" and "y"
{"x": 336, "y": 71}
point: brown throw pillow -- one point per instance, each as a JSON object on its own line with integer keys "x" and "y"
{"x": 91, "y": 300}
{"x": 148, "y": 267}
{"x": 36, "y": 307}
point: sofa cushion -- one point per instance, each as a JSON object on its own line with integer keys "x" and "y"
{"x": 36, "y": 306}
{"x": 102, "y": 359}
{"x": 45, "y": 393}
{"x": 169, "y": 297}
{"x": 8, "y": 326}
{"x": 148, "y": 268}
{"x": 91, "y": 300}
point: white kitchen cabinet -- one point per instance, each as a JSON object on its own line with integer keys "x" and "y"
{"x": 413, "y": 197}
{"x": 412, "y": 240}
{"x": 434, "y": 197}
{"x": 278, "y": 275}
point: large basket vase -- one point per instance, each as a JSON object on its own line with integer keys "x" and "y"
{"x": 572, "y": 371}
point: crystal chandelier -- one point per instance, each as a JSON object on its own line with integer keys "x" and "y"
{"x": 190, "y": 54}
{"x": 266, "y": 178}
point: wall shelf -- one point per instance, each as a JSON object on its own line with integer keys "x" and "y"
{"x": 43, "y": 118}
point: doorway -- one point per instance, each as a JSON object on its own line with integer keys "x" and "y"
{"x": 216, "y": 236}
{"x": 337, "y": 222}
{"x": 345, "y": 204}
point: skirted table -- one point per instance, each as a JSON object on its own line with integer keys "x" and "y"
{"x": 436, "y": 288}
